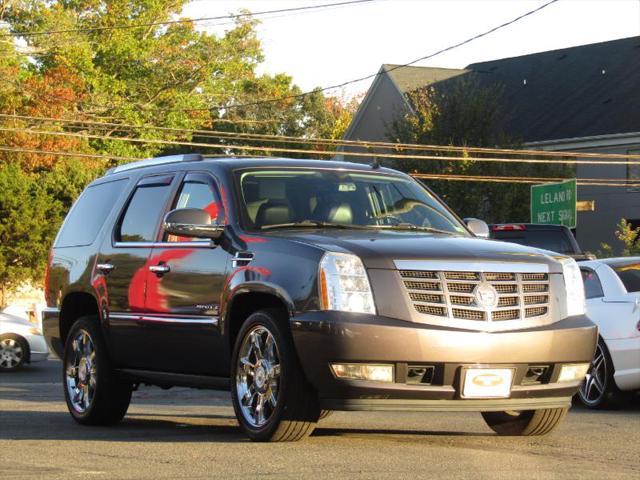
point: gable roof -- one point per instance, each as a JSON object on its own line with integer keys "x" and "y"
{"x": 408, "y": 79}
{"x": 581, "y": 91}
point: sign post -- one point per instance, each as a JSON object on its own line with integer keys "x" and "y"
{"x": 554, "y": 203}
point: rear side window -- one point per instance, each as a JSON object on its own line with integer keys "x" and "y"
{"x": 630, "y": 276}
{"x": 142, "y": 216}
{"x": 89, "y": 214}
{"x": 592, "y": 285}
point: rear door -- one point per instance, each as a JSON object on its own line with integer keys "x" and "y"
{"x": 183, "y": 295}
{"x": 122, "y": 267}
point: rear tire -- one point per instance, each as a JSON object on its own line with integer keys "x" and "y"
{"x": 525, "y": 423}
{"x": 271, "y": 396}
{"x": 94, "y": 395}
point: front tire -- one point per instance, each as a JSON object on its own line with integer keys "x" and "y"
{"x": 271, "y": 397}
{"x": 94, "y": 395}
{"x": 13, "y": 352}
{"x": 525, "y": 423}
{"x": 599, "y": 390}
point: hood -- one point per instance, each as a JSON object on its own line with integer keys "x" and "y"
{"x": 379, "y": 248}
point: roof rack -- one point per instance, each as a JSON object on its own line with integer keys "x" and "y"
{"x": 150, "y": 162}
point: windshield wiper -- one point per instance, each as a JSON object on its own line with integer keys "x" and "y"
{"x": 311, "y": 224}
{"x": 411, "y": 226}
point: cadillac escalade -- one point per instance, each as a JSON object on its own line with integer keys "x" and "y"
{"x": 304, "y": 287}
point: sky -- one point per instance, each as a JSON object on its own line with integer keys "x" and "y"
{"x": 319, "y": 48}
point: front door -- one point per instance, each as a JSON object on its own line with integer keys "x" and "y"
{"x": 122, "y": 268}
{"x": 184, "y": 290}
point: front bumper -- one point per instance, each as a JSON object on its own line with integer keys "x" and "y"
{"x": 322, "y": 338}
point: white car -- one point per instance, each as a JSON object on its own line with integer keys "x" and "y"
{"x": 20, "y": 342}
{"x": 612, "y": 288}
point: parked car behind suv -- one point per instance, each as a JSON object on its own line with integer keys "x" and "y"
{"x": 556, "y": 238}
{"x": 306, "y": 286}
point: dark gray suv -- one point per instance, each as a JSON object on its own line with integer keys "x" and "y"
{"x": 305, "y": 287}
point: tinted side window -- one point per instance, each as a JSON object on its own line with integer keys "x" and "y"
{"x": 143, "y": 213}
{"x": 592, "y": 285}
{"x": 89, "y": 214}
{"x": 630, "y": 276}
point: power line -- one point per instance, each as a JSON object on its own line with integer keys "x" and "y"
{"x": 363, "y": 144}
{"x": 231, "y": 147}
{"x": 180, "y": 21}
{"x": 586, "y": 182}
{"x": 434, "y": 176}
{"x": 374, "y": 75}
{"x": 318, "y": 90}
{"x": 36, "y": 151}
{"x": 330, "y": 142}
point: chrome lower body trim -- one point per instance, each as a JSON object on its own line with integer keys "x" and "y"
{"x": 471, "y": 266}
{"x": 166, "y": 318}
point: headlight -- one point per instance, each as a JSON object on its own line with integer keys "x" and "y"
{"x": 344, "y": 284}
{"x": 574, "y": 287}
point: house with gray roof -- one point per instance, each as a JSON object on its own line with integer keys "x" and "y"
{"x": 580, "y": 99}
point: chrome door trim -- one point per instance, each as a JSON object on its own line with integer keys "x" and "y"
{"x": 198, "y": 244}
{"x": 471, "y": 266}
{"x": 167, "y": 318}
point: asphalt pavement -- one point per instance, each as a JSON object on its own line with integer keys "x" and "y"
{"x": 183, "y": 433}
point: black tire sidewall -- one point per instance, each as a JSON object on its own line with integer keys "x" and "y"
{"x": 287, "y": 357}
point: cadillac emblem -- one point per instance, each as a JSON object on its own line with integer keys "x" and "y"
{"x": 486, "y": 296}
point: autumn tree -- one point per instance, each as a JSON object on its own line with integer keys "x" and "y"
{"x": 468, "y": 112}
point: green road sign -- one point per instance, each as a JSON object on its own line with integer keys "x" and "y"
{"x": 554, "y": 203}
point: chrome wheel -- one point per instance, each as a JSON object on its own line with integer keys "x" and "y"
{"x": 80, "y": 372}
{"x": 11, "y": 353}
{"x": 258, "y": 376}
{"x": 594, "y": 387}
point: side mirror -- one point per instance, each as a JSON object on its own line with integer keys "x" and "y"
{"x": 478, "y": 227}
{"x": 192, "y": 222}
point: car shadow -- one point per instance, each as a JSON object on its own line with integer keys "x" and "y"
{"x": 161, "y": 428}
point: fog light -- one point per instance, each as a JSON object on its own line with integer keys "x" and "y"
{"x": 363, "y": 371}
{"x": 573, "y": 372}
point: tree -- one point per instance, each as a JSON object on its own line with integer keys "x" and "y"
{"x": 629, "y": 237}
{"x": 467, "y": 112}
{"x": 22, "y": 222}
{"x": 163, "y": 75}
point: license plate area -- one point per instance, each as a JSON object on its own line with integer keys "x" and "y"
{"x": 486, "y": 382}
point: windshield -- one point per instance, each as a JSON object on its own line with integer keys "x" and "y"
{"x": 553, "y": 240}
{"x": 301, "y": 198}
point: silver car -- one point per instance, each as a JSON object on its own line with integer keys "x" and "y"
{"x": 20, "y": 342}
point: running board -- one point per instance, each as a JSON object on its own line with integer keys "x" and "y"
{"x": 169, "y": 379}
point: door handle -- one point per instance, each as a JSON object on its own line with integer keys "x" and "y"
{"x": 160, "y": 269}
{"x": 105, "y": 268}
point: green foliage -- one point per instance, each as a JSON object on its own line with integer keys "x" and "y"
{"x": 628, "y": 236}
{"x": 467, "y": 112}
{"x": 22, "y": 228}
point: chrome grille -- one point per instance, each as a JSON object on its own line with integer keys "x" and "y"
{"x": 452, "y": 294}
